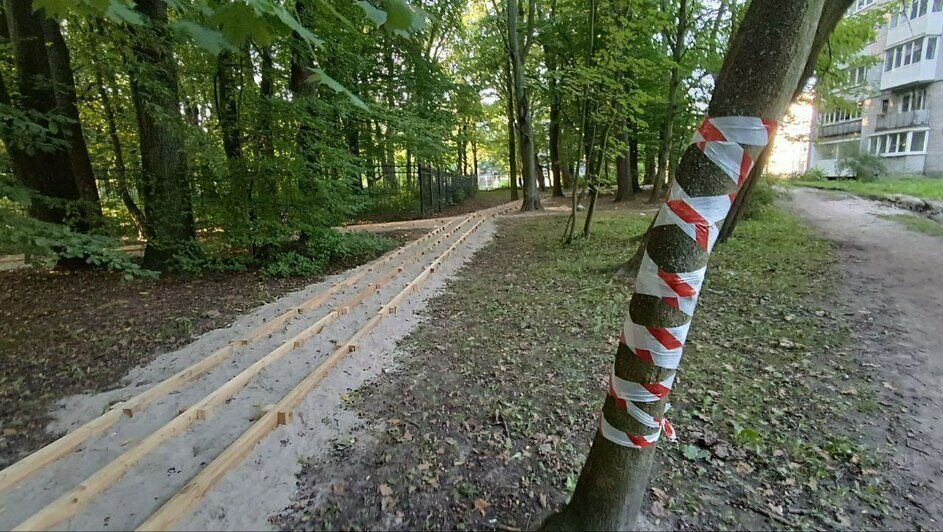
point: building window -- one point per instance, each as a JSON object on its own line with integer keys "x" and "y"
{"x": 901, "y": 143}
{"x": 909, "y": 53}
{"x": 913, "y": 101}
{"x": 861, "y": 4}
{"x": 885, "y": 106}
{"x": 837, "y": 150}
{"x": 918, "y": 141}
{"x": 937, "y": 5}
{"x": 858, "y": 75}
{"x": 840, "y": 115}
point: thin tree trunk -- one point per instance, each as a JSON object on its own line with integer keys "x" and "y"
{"x": 633, "y": 159}
{"x": 266, "y": 92}
{"x": 667, "y": 132}
{"x": 137, "y": 216}
{"x": 554, "y": 129}
{"x": 623, "y": 185}
{"x": 613, "y": 482}
{"x": 165, "y": 187}
{"x": 512, "y": 135}
{"x": 303, "y": 91}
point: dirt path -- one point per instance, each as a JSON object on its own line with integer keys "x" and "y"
{"x": 893, "y": 279}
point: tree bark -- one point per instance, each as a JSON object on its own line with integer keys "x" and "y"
{"x": 228, "y": 70}
{"x": 48, "y": 172}
{"x": 623, "y": 184}
{"x": 303, "y": 91}
{"x": 524, "y": 125}
{"x": 613, "y": 481}
{"x": 165, "y": 186}
{"x": 633, "y": 159}
{"x": 554, "y": 128}
{"x": 60, "y": 66}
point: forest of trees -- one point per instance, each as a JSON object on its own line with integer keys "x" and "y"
{"x": 216, "y": 128}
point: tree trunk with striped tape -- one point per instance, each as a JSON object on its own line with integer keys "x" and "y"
{"x": 760, "y": 74}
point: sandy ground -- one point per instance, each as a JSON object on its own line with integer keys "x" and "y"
{"x": 892, "y": 276}
{"x": 265, "y": 481}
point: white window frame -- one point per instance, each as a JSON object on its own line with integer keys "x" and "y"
{"x": 888, "y": 143}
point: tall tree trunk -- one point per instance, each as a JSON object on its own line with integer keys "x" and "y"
{"x": 165, "y": 186}
{"x": 613, "y": 481}
{"x": 633, "y": 158}
{"x": 524, "y": 125}
{"x": 60, "y": 66}
{"x": 554, "y": 92}
{"x": 303, "y": 92}
{"x": 512, "y": 135}
{"x": 667, "y": 132}
{"x": 229, "y": 67}
{"x": 266, "y": 92}
{"x": 623, "y": 186}
{"x": 48, "y": 172}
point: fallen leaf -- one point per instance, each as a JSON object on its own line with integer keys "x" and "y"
{"x": 481, "y": 505}
{"x": 339, "y": 487}
{"x": 385, "y": 490}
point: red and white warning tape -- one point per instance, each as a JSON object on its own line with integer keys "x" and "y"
{"x": 722, "y": 140}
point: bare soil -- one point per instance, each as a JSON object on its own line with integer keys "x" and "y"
{"x": 891, "y": 278}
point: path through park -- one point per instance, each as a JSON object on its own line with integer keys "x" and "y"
{"x": 892, "y": 276}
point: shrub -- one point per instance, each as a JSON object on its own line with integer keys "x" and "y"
{"x": 862, "y": 167}
{"x": 812, "y": 174}
{"x": 291, "y": 264}
{"x": 761, "y": 197}
{"x": 324, "y": 248}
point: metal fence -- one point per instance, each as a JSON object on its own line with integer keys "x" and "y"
{"x": 423, "y": 190}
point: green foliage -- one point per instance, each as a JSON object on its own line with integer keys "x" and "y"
{"x": 920, "y": 187}
{"x": 812, "y": 174}
{"x": 761, "y": 198}
{"x": 292, "y": 264}
{"x": 862, "y": 166}
{"x": 325, "y": 248}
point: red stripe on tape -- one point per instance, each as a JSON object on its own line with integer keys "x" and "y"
{"x": 665, "y": 338}
{"x": 676, "y": 283}
{"x": 657, "y": 389}
{"x": 710, "y": 132}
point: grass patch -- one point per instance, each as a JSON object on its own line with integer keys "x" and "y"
{"x": 919, "y": 187}
{"x": 916, "y": 223}
{"x": 507, "y": 377}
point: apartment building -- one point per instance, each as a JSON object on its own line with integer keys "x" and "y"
{"x": 898, "y": 111}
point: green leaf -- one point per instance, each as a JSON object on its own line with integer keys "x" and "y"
{"x": 377, "y": 16}
{"x": 240, "y": 22}
{"x": 693, "y": 452}
{"x": 209, "y": 39}
{"x": 120, "y": 12}
{"x": 319, "y": 76}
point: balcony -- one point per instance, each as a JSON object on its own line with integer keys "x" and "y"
{"x": 841, "y": 128}
{"x": 902, "y": 120}
{"x": 921, "y": 72}
{"x": 928, "y": 24}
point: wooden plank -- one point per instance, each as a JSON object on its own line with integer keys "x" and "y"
{"x": 41, "y": 458}
{"x": 184, "y": 501}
